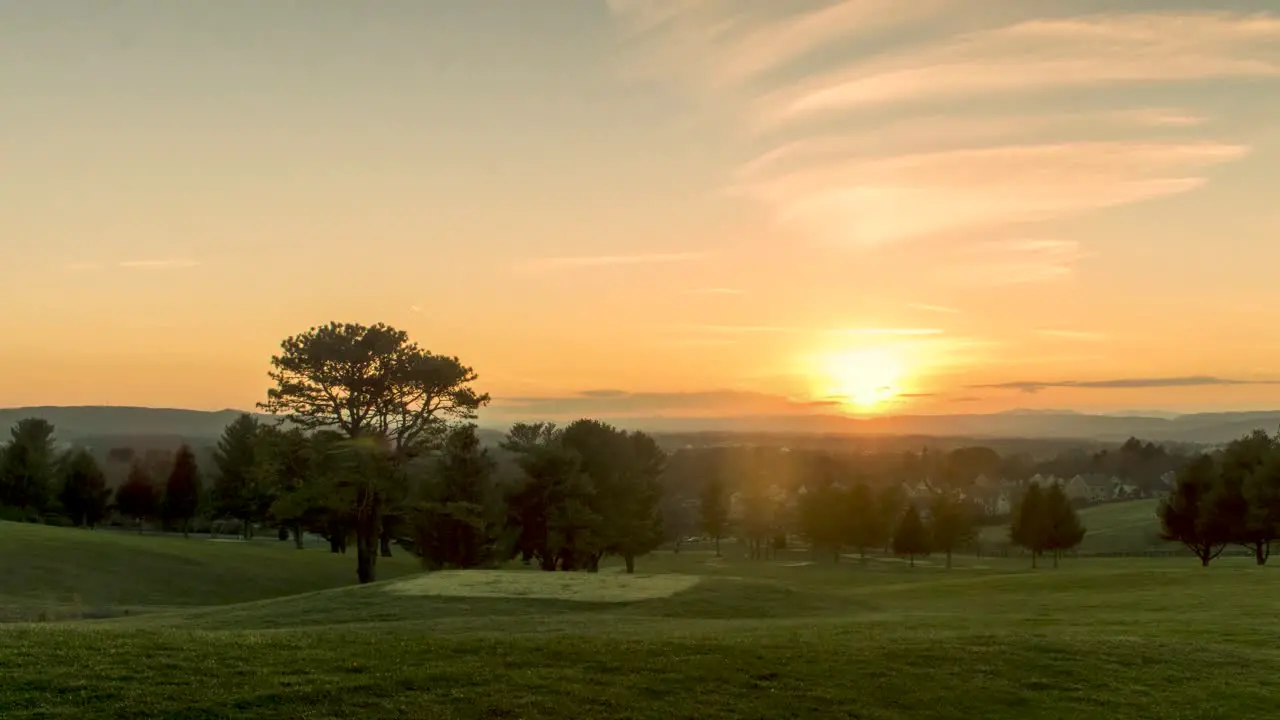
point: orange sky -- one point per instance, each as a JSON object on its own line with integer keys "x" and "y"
{"x": 647, "y": 207}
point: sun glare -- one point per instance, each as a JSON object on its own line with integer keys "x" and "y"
{"x": 863, "y": 380}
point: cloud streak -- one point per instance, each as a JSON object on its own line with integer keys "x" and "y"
{"x": 1044, "y": 54}
{"x": 601, "y": 261}
{"x": 1035, "y": 386}
{"x": 804, "y": 87}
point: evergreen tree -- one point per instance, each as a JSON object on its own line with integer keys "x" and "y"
{"x": 1188, "y": 516}
{"x": 1234, "y": 501}
{"x": 1064, "y": 531}
{"x": 236, "y": 491}
{"x": 1030, "y": 525}
{"x": 624, "y": 470}
{"x": 1262, "y": 492}
{"x": 713, "y": 510}
{"x": 550, "y": 513}
{"x": 137, "y": 497}
{"x": 182, "y": 490}
{"x": 911, "y": 538}
{"x": 455, "y": 526}
{"x": 824, "y": 518}
{"x": 890, "y": 504}
{"x": 865, "y": 527}
{"x": 84, "y": 494}
{"x": 951, "y": 524}
{"x": 27, "y": 466}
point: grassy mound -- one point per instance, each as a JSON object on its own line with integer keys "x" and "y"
{"x": 577, "y": 587}
{"x": 53, "y": 572}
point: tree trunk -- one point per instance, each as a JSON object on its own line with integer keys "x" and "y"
{"x": 631, "y": 563}
{"x": 1258, "y": 554}
{"x": 368, "y": 533}
{"x": 335, "y": 544}
{"x": 677, "y": 550}
{"x": 948, "y": 559}
{"x": 1033, "y": 559}
{"x": 297, "y": 535}
{"x": 717, "y": 546}
{"x": 913, "y": 560}
{"x": 1204, "y": 559}
{"x": 384, "y": 543}
{"x": 1056, "y": 555}
{"x": 186, "y": 528}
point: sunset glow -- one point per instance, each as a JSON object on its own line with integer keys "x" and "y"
{"x": 864, "y": 381}
{"x": 651, "y": 207}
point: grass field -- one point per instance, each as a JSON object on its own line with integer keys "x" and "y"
{"x": 1129, "y": 526}
{"x": 693, "y": 636}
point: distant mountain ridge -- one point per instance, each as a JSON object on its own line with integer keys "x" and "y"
{"x": 78, "y": 423}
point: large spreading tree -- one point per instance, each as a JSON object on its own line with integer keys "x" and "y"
{"x": 387, "y": 395}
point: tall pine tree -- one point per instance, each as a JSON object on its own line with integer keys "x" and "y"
{"x": 84, "y": 494}
{"x": 713, "y": 510}
{"x": 1030, "y": 528}
{"x": 911, "y": 538}
{"x": 182, "y": 490}
{"x": 1063, "y": 529}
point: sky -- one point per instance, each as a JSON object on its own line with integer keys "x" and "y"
{"x": 630, "y": 208}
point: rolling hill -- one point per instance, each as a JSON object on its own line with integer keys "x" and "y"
{"x": 169, "y": 426}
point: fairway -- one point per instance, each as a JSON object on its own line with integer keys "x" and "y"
{"x": 1129, "y": 527}
{"x": 697, "y": 637}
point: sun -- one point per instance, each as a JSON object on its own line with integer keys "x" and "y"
{"x": 864, "y": 380}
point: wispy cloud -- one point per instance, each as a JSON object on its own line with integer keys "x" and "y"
{"x": 772, "y": 329}
{"x": 1079, "y": 335}
{"x": 1035, "y": 386}
{"x": 1043, "y": 54}
{"x": 950, "y": 173}
{"x": 617, "y": 403}
{"x": 598, "y": 261}
{"x": 715, "y": 291}
{"x": 889, "y": 331}
{"x": 934, "y": 308}
{"x": 1009, "y": 262}
{"x": 168, "y": 264}
{"x": 869, "y": 202}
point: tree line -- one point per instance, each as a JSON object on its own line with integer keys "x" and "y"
{"x": 835, "y": 517}
{"x": 36, "y": 482}
{"x": 1229, "y": 497}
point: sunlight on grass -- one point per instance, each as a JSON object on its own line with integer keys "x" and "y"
{"x": 579, "y": 587}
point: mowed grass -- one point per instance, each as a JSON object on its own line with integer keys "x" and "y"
{"x": 694, "y": 637}
{"x": 1130, "y": 526}
{"x": 60, "y": 572}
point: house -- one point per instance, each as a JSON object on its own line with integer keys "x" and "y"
{"x": 1101, "y": 487}
{"x": 1078, "y": 489}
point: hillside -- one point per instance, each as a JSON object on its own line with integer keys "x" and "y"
{"x": 59, "y": 572}
{"x": 693, "y": 637}
{"x": 165, "y": 427}
{"x": 1129, "y": 527}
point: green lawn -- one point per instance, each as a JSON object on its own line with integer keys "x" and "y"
{"x": 1130, "y": 526}
{"x": 60, "y": 572}
{"x": 698, "y": 637}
